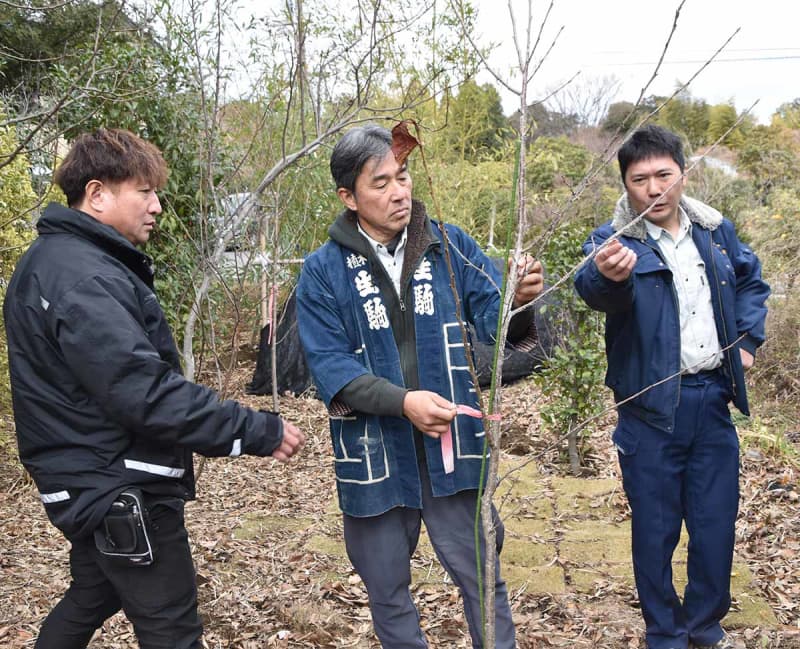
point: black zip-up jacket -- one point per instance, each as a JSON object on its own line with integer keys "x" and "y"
{"x": 100, "y": 402}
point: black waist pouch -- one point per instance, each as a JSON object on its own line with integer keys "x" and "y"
{"x": 125, "y": 535}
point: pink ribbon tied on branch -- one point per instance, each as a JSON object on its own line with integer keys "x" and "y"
{"x": 447, "y": 438}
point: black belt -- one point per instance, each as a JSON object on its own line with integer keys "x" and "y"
{"x": 703, "y": 376}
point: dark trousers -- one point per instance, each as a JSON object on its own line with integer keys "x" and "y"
{"x": 690, "y": 475}
{"x": 160, "y": 600}
{"x": 380, "y": 549}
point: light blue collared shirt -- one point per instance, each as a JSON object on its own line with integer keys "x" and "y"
{"x": 700, "y": 348}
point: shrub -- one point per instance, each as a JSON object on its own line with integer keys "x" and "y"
{"x": 17, "y": 201}
{"x": 572, "y": 379}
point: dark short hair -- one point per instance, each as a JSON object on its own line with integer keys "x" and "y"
{"x": 109, "y": 155}
{"x": 649, "y": 142}
{"x": 357, "y": 147}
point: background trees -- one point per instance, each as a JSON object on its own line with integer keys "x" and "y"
{"x": 244, "y": 108}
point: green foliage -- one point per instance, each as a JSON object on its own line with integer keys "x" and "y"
{"x": 774, "y": 234}
{"x": 555, "y": 161}
{"x": 686, "y": 116}
{"x": 572, "y": 379}
{"x": 476, "y": 129}
{"x": 38, "y": 34}
{"x": 620, "y": 117}
{"x": 545, "y": 123}
{"x": 732, "y": 196}
{"x": 788, "y": 115}
{"x": 471, "y": 196}
{"x": 721, "y": 117}
{"x": 17, "y": 199}
{"x": 771, "y": 157}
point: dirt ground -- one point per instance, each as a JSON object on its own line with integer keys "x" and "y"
{"x": 272, "y": 572}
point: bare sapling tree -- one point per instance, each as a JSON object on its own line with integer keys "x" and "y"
{"x": 527, "y": 43}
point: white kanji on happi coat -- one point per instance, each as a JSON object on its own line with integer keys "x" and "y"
{"x": 423, "y": 299}
{"x": 423, "y": 271}
{"x": 376, "y": 313}
{"x": 354, "y": 261}
{"x": 364, "y": 284}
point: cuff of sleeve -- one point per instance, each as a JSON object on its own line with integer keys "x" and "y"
{"x": 273, "y": 434}
{"x": 749, "y": 344}
{"x": 395, "y": 397}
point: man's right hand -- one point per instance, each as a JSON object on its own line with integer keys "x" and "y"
{"x": 615, "y": 261}
{"x": 293, "y": 441}
{"x": 429, "y": 412}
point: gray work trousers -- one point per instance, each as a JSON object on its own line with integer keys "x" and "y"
{"x": 380, "y": 549}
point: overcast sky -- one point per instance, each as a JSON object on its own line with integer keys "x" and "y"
{"x": 625, "y": 38}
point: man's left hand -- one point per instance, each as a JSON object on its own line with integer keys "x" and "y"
{"x": 531, "y": 280}
{"x": 747, "y": 358}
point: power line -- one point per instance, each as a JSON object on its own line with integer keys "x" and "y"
{"x": 727, "y": 50}
{"x": 700, "y": 61}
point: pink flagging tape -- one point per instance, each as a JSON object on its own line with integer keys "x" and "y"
{"x": 447, "y": 438}
{"x": 472, "y": 412}
{"x": 447, "y": 451}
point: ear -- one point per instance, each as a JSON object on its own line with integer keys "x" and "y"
{"x": 348, "y": 198}
{"x": 94, "y": 196}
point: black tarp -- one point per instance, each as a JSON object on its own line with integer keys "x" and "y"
{"x": 292, "y": 371}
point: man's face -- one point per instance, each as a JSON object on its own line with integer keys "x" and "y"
{"x": 382, "y": 198}
{"x": 130, "y": 207}
{"x": 646, "y": 180}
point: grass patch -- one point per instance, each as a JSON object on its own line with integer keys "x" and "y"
{"x": 579, "y": 496}
{"x": 527, "y": 553}
{"x": 586, "y": 579}
{"x": 596, "y": 541}
{"x": 542, "y": 579}
{"x": 259, "y": 526}
{"x": 519, "y": 526}
{"x": 767, "y": 434}
{"x": 321, "y": 544}
{"x": 520, "y": 476}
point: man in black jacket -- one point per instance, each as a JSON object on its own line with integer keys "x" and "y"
{"x": 106, "y": 423}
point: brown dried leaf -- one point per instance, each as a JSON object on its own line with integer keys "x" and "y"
{"x": 403, "y": 143}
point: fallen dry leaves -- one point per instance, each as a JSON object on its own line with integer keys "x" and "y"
{"x": 272, "y": 591}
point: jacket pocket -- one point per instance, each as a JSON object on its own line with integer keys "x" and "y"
{"x": 625, "y": 440}
{"x": 359, "y": 450}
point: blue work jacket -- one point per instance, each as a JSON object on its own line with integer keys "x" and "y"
{"x": 642, "y": 315}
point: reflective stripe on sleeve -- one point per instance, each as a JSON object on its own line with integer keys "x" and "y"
{"x": 56, "y": 497}
{"x": 157, "y": 469}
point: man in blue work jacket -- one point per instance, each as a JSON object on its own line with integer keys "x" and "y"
{"x": 378, "y": 321}
{"x": 685, "y": 310}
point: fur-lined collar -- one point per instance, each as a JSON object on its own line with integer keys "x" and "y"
{"x": 698, "y": 212}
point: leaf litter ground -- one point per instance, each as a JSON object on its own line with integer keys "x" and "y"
{"x": 272, "y": 571}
